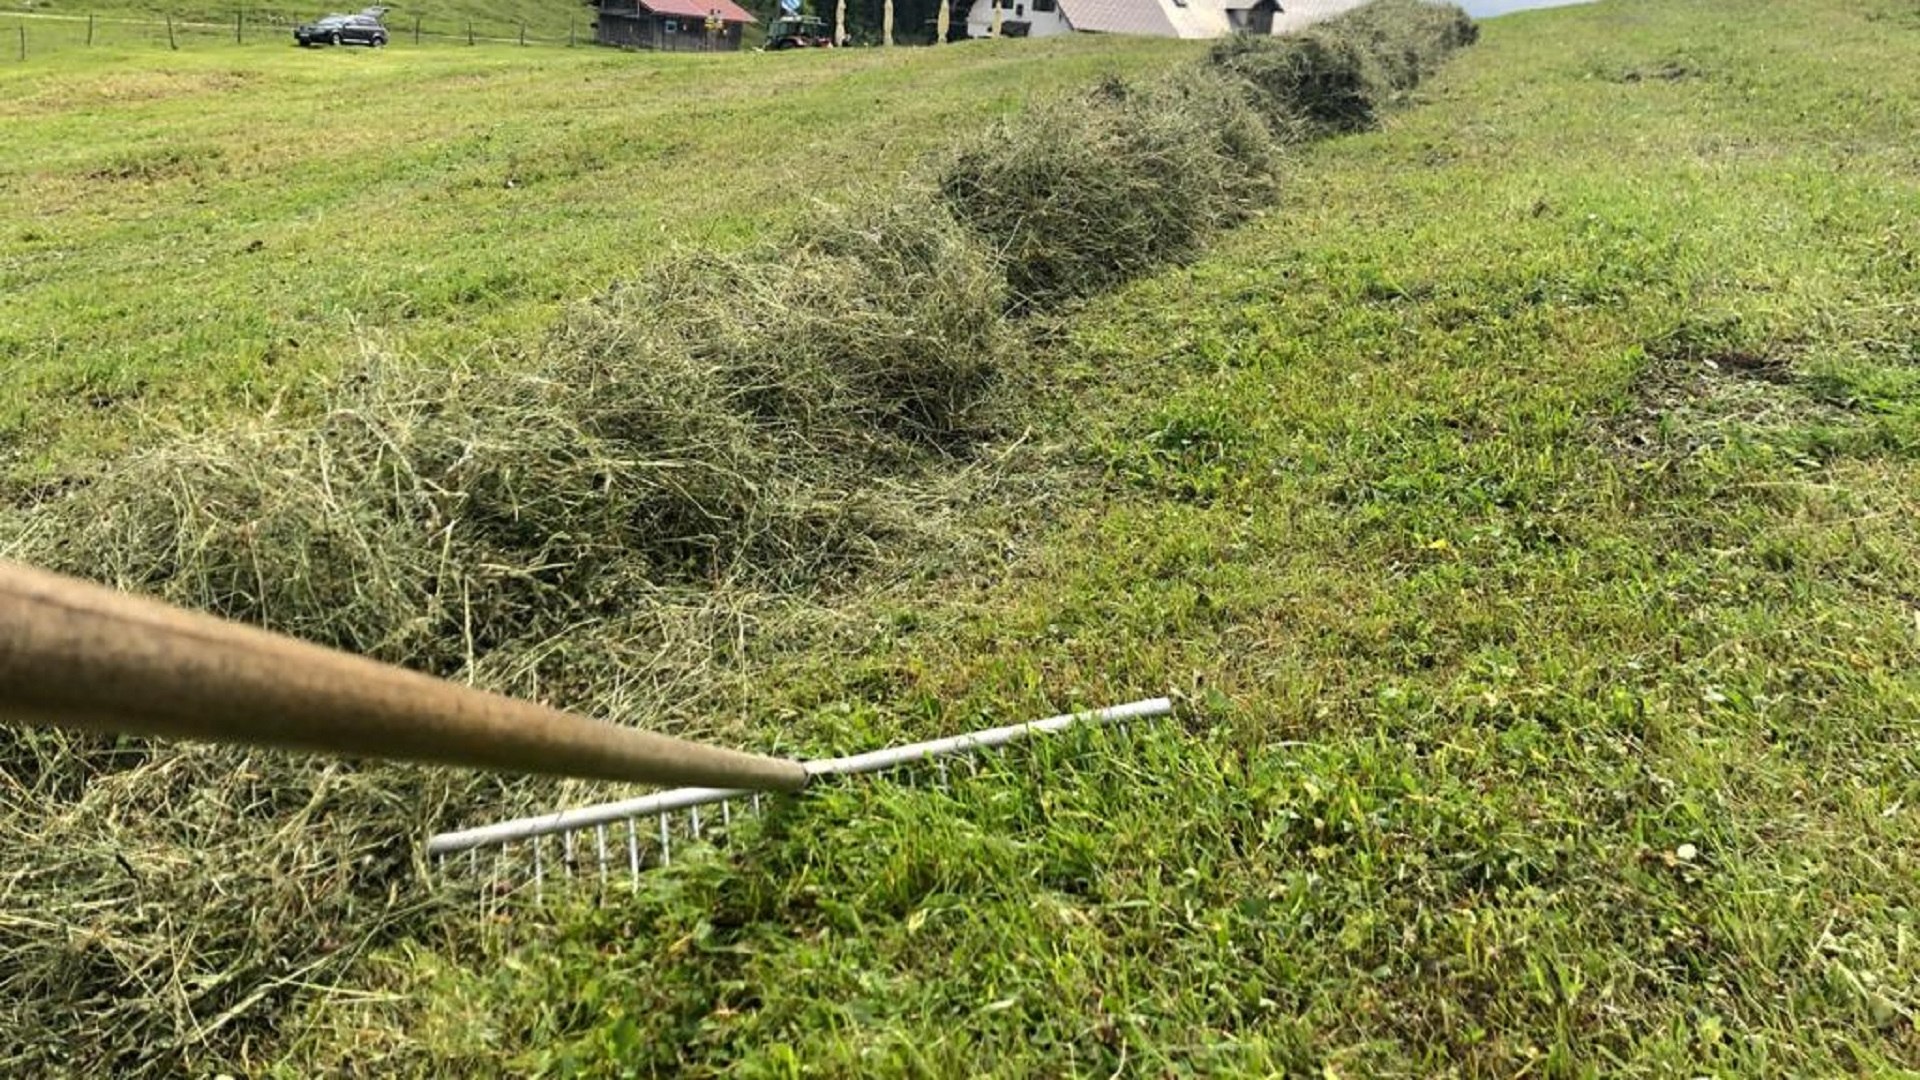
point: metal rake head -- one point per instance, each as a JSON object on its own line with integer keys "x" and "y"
{"x": 616, "y": 840}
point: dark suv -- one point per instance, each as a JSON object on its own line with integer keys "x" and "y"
{"x": 341, "y": 30}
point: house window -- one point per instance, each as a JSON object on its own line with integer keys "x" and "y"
{"x": 1040, "y": 6}
{"x": 1019, "y": 10}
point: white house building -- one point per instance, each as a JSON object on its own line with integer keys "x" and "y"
{"x": 1159, "y": 18}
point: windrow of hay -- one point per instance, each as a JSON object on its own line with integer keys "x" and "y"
{"x": 595, "y": 528}
{"x": 723, "y": 420}
{"x": 1336, "y": 76}
{"x": 1077, "y": 195}
{"x": 1405, "y": 40}
{"x": 601, "y": 524}
{"x": 1310, "y": 84}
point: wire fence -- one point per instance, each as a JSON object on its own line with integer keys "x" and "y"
{"x": 26, "y": 37}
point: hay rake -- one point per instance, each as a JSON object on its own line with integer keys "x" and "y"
{"x": 79, "y": 655}
{"x": 608, "y": 840}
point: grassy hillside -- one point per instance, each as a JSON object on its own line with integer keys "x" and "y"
{"x": 181, "y": 232}
{"x": 1528, "y": 503}
{"x": 1524, "y": 503}
{"x": 60, "y": 24}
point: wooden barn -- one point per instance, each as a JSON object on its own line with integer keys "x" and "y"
{"x": 673, "y": 25}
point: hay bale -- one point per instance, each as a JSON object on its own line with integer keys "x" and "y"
{"x": 1078, "y": 195}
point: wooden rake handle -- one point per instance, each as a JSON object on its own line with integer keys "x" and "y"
{"x": 79, "y": 655}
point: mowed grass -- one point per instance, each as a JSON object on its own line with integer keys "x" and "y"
{"x": 198, "y": 24}
{"x": 186, "y": 233}
{"x": 1527, "y": 506}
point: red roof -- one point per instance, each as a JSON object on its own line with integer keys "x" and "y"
{"x": 699, "y": 9}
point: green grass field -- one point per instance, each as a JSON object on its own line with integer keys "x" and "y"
{"x": 1531, "y": 498}
{"x": 1526, "y": 504}
{"x": 188, "y": 231}
{"x": 61, "y": 25}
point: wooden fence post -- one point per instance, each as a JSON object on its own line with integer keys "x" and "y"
{"x": 23, "y": 41}
{"x": 523, "y": 35}
{"x": 239, "y": 18}
{"x": 171, "y": 42}
{"x": 416, "y": 29}
{"x": 469, "y": 31}
{"x": 89, "y": 29}
{"x": 569, "y": 31}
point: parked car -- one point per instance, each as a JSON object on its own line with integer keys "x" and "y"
{"x": 341, "y": 30}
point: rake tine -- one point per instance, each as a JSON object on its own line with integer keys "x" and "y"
{"x": 633, "y": 849}
{"x": 980, "y": 750}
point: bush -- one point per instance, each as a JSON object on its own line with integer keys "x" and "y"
{"x": 1079, "y": 195}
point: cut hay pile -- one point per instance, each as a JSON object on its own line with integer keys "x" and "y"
{"x": 1405, "y": 41}
{"x": 1310, "y": 84}
{"x": 1077, "y": 195}
{"x": 722, "y": 441}
{"x": 687, "y": 453}
{"x": 730, "y": 419}
{"x": 1338, "y": 75}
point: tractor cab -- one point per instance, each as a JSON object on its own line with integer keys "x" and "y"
{"x": 799, "y": 32}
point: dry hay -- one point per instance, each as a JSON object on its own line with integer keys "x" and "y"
{"x": 1075, "y": 196}
{"x": 690, "y": 460}
{"x": 690, "y": 455}
{"x": 1337, "y": 76}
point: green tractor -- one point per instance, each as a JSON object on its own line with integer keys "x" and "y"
{"x": 799, "y": 32}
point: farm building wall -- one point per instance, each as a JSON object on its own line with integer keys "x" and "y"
{"x": 1195, "y": 18}
{"x": 646, "y": 30}
{"x": 1034, "y": 18}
